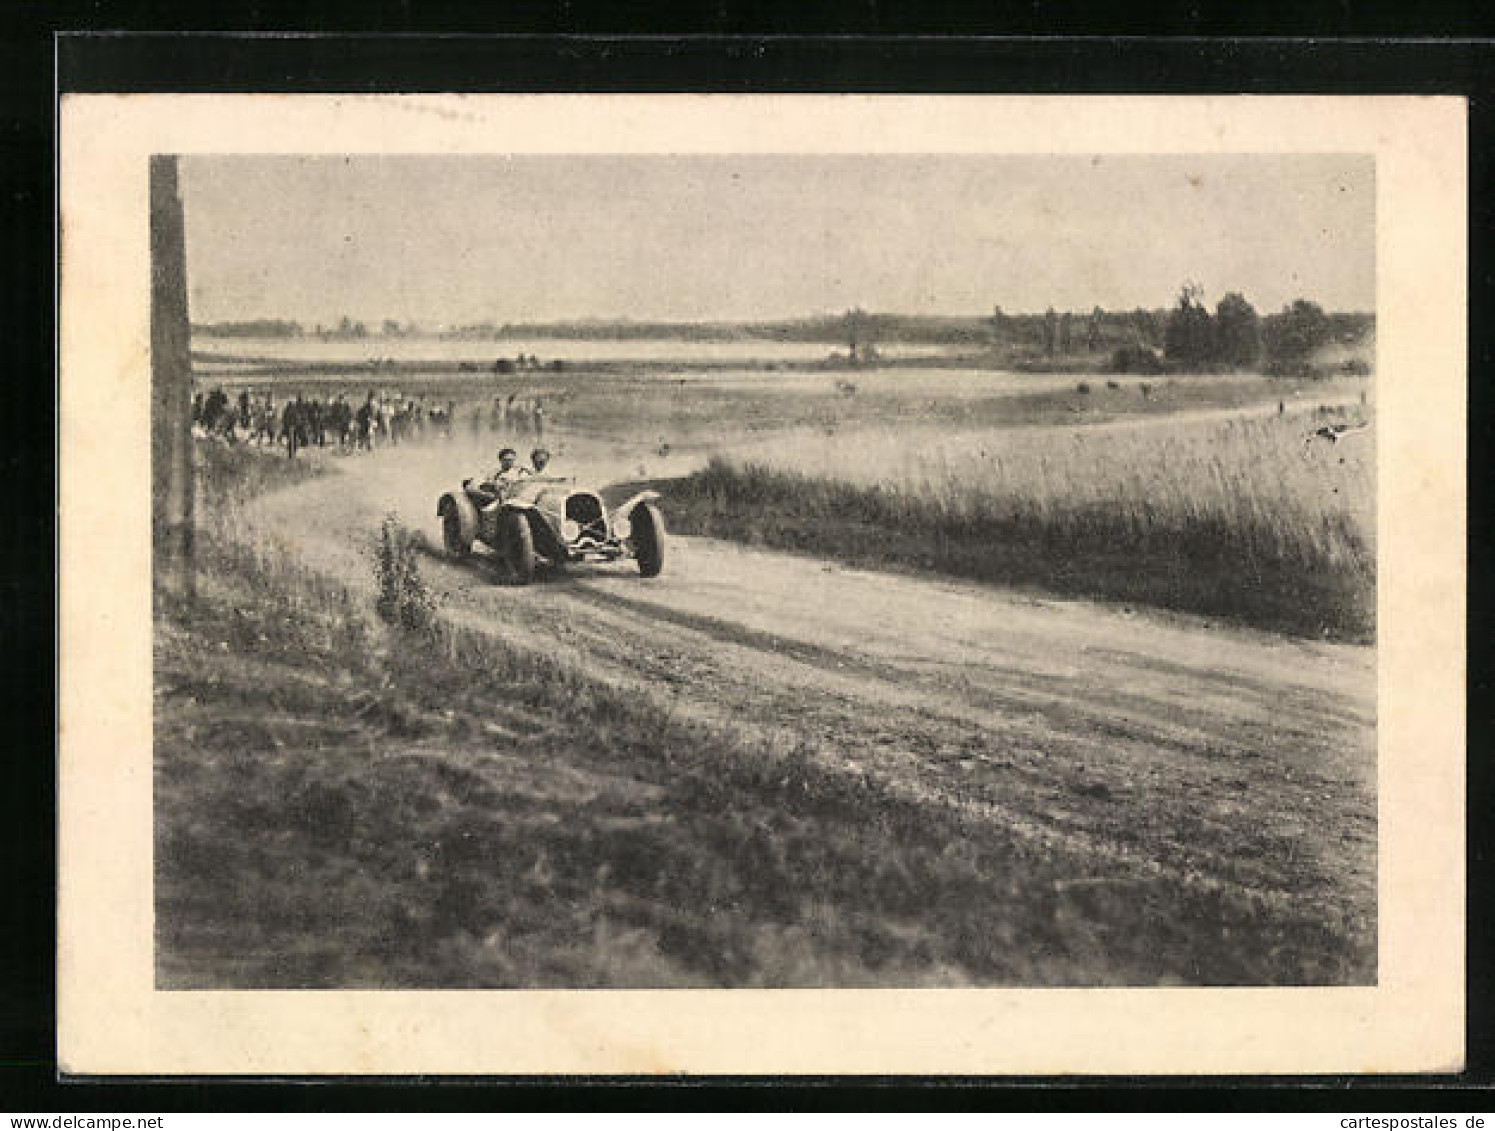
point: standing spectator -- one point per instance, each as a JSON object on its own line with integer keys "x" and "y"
{"x": 365, "y": 424}
{"x": 290, "y": 426}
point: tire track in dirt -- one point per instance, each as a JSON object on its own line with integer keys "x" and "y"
{"x": 1028, "y": 756}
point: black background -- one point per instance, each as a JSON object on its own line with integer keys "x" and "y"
{"x": 98, "y": 47}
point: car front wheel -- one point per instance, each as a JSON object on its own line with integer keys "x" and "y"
{"x": 518, "y": 547}
{"x": 457, "y": 544}
{"x": 648, "y": 538}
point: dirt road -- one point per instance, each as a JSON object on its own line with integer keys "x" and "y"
{"x": 1148, "y": 745}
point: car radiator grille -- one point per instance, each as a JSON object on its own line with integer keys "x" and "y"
{"x": 586, "y": 511}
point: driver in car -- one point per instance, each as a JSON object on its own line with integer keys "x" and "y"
{"x": 497, "y": 484}
{"x": 539, "y": 459}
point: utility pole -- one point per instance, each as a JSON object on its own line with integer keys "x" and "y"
{"x": 172, "y": 487}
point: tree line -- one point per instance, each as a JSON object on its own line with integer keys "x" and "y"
{"x": 1189, "y": 336}
{"x": 344, "y": 327}
{"x": 1234, "y": 336}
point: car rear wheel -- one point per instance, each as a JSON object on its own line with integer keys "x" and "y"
{"x": 518, "y": 547}
{"x": 648, "y": 538}
{"x": 457, "y": 544}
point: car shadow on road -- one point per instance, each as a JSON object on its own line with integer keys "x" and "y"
{"x": 485, "y": 566}
{"x": 479, "y": 564}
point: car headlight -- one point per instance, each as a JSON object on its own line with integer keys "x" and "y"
{"x": 622, "y": 528}
{"x": 569, "y": 530}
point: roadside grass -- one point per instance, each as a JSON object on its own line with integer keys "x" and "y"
{"x": 231, "y": 474}
{"x": 1239, "y": 519}
{"x": 403, "y": 599}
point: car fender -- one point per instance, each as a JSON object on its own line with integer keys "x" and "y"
{"x": 467, "y": 513}
{"x": 546, "y": 540}
{"x": 642, "y": 497}
{"x": 508, "y": 506}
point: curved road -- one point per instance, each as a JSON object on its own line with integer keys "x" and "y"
{"x": 1154, "y": 744}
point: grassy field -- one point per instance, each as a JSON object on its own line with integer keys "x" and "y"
{"x": 344, "y": 803}
{"x": 685, "y": 405}
{"x": 1239, "y": 519}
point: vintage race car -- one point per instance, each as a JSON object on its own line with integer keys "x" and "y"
{"x": 544, "y": 521}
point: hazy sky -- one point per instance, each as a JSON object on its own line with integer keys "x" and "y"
{"x": 526, "y": 238}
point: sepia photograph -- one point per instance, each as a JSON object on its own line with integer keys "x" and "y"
{"x": 758, "y": 568}
{"x": 728, "y": 571}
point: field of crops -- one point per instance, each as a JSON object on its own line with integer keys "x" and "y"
{"x": 1245, "y": 518}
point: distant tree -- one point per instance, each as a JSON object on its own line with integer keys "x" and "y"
{"x": 856, "y": 331}
{"x": 1066, "y": 337}
{"x": 1145, "y": 327}
{"x": 1350, "y": 329}
{"x": 1050, "y": 332}
{"x": 392, "y": 328}
{"x": 998, "y": 326}
{"x": 1295, "y": 334}
{"x": 1188, "y": 338}
{"x": 1237, "y": 332}
{"x": 1136, "y": 359}
{"x": 1093, "y": 329}
{"x": 256, "y": 328}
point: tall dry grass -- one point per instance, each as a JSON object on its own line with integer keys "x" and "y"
{"x": 1240, "y": 518}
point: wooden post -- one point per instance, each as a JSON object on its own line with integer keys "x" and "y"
{"x": 172, "y": 487}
